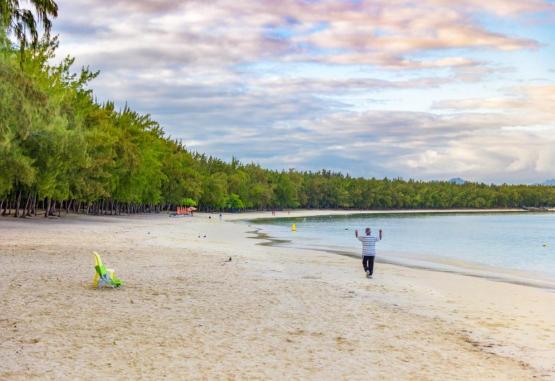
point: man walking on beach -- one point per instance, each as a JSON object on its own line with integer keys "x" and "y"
{"x": 368, "y": 250}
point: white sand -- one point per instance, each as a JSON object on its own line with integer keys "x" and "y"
{"x": 270, "y": 313}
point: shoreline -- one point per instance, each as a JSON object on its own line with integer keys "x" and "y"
{"x": 464, "y": 268}
{"x": 271, "y": 311}
{"x": 251, "y": 216}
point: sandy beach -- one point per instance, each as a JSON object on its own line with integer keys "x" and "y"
{"x": 186, "y": 312}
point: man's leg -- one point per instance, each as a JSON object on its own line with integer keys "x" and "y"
{"x": 371, "y": 265}
{"x": 365, "y": 263}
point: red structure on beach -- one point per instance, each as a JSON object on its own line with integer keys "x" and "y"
{"x": 184, "y": 211}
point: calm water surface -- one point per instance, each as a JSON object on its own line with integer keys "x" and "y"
{"x": 518, "y": 241}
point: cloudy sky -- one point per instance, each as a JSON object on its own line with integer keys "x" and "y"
{"x": 428, "y": 89}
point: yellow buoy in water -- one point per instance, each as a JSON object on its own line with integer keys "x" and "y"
{"x": 294, "y": 227}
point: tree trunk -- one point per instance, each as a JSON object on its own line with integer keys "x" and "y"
{"x": 29, "y": 205}
{"x": 17, "y": 204}
{"x": 47, "y": 207}
{"x": 26, "y": 210}
{"x": 35, "y": 205}
{"x": 53, "y": 208}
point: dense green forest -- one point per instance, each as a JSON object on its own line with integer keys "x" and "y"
{"x": 61, "y": 151}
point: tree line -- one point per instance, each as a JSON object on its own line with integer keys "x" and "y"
{"x": 62, "y": 151}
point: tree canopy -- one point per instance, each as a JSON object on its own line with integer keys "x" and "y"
{"x": 25, "y": 23}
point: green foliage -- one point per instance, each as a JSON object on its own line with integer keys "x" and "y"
{"x": 285, "y": 192}
{"x": 188, "y": 202}
{"x": 214, "y": 192}
{"x": 22, "y": 22}
{"x": 233, "y": 202}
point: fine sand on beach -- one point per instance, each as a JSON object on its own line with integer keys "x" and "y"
{"x": 186, "y": 312}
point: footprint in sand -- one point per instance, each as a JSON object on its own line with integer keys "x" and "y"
{"x": 297, "y": 332}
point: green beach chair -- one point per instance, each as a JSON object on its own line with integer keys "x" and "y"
{"x": 104, "y": 277}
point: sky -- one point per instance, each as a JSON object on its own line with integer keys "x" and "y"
{"x": 429, "y": 89}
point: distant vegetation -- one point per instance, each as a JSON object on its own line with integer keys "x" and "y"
{"x": 457, "y": 180}
{"x": 60, "y": 150}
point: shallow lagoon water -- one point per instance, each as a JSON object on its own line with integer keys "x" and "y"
{"x": 510, "y": 241}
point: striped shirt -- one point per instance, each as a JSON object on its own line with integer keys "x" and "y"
{"x": 368, "y": 245}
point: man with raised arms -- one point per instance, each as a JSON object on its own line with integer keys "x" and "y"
{"x": 368, "y": 250}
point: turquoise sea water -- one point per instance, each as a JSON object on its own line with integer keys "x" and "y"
{"x": 512, "y": 241}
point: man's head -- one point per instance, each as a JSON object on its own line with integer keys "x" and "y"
{"x": 367, "y": 231}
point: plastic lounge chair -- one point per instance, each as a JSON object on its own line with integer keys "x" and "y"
{"x": 104, "y": 277}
